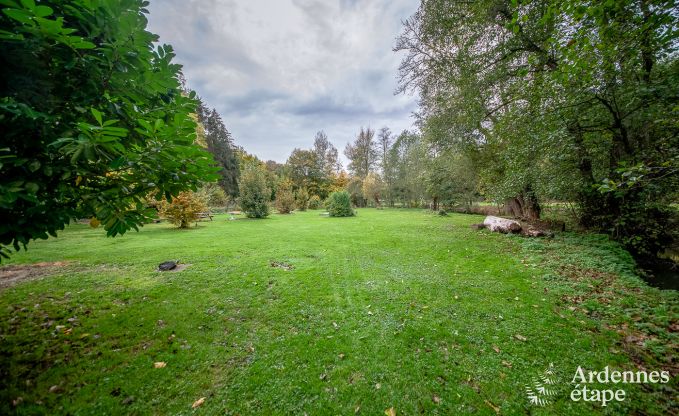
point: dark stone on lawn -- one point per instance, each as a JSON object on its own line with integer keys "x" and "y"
{"x": 167, "y": 265}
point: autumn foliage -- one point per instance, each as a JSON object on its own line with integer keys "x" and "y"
{"x": 184, "y": 209}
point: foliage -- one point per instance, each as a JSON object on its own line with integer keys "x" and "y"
{"x": 92, "y": 118}
{"x": 340, "y": 182}
{"x": 362, "y": 153}
{"x": 384, "y": 143}
{"x": 315, "y": 202}
{"x": 571, "y": 100}
{"x": 285, "y": 199}
{"x": 184, "y": 208}
{"x": 373, "y": 188}
{"x": 253, "y": 190}
{"x": 326, "y": 155}
{"x": 304, "y": 169}
{"x": 407, "y": 161}
{"x": 451, "y": 179}
{"x": 339, "y": 204}
{"x": 213, "y": 194}
{"x": 355, "y": 190}
{"x": 219, "y": 142}
{"x": 302, "y": 199}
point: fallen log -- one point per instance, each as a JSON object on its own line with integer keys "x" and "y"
{"x": 502, "y": 225}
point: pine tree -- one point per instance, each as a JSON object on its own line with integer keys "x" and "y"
{"x": 220, "y": 144}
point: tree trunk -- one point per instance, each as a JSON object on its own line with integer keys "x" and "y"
{"x": 525, "y": 205}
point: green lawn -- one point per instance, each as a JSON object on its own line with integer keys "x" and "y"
{"x": 392, "y": 308}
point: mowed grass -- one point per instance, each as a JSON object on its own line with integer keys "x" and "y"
{"x": 392, "y": 308}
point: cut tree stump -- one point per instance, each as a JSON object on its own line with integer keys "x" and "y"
{"x": 502, "y": 225}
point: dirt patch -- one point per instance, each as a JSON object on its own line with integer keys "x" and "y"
{"x": 282, "y": 265}
{"x": 15, "y": 273}
{"x": 178, "y": 268}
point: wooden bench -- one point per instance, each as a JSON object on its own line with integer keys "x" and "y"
{"x": 203, "y": 215}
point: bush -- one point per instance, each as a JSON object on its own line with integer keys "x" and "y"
{"x": 302, "y": 199}
{"x": 254, "y": 194}
{"x": 184, "y": 209}
{"x": 285, "y": 200}
{"x": 315, "y": 202}
{"x": 213, "y": 194}
{"x": 339, "y": 204}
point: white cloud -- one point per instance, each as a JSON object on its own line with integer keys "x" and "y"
{"x": 280, "y": 70}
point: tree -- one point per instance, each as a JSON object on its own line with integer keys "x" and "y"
{"x": 219, "y": 142}
{"x": 92, "y": 117}
{"x": 355, "y": 190}
{"x": 315, "y": 202}
{"x": 339, "y": 182}
{"x": 183, "y": 209}
{"x": 556, "y": 98}
{"x": 451, "y": 179}
{"x": 254, "y": 194}
{"x": 305, "y": 171}
{"x": 362, "y": 154}
{"x": 384, "y": 141}
{"x": 302, "y": 199}
{"x": 326, "y": 155}
{"x": 407, "y": 159}
{"x": 373, "y": 187}
{"x": 285, "y": 199}
{"x": 212, "y": 194}
{"x": 339, "y": 204}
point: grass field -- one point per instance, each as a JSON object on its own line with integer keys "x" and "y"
{"x": 392, "y": 308}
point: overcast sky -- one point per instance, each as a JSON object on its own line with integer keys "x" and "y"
{"x": 280, "y": 70}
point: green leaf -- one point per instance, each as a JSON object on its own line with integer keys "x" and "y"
{"x": 43, "y": 11}
{"x": 19, "y": 15}
{"x": 97, "y": 115}
{"x": 29, "y": 4}
{"x": 32, "y": 187}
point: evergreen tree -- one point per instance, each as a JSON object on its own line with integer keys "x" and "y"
{"x": 220, "y": 144}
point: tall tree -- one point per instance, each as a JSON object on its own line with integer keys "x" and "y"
{"x": 407, "y": 158}
{"x": 220, "y": 143}
{"x": 571, "y": 97}
{"x": 362, "y": 153}
{"x": 305, "y": 172}
{"x": 326, "y": 154}
{"x": 384, "y": 141}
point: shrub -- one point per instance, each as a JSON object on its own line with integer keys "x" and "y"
{"x": 254, "y": 194}
{"x": 315, "y": 202}
{"x": 184, "y": 209}
{"x": 339, "y": 204}
{"x": 285, "y": 200}
{"x": 213, "y": 194}
{"x": 302, "y": 199}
